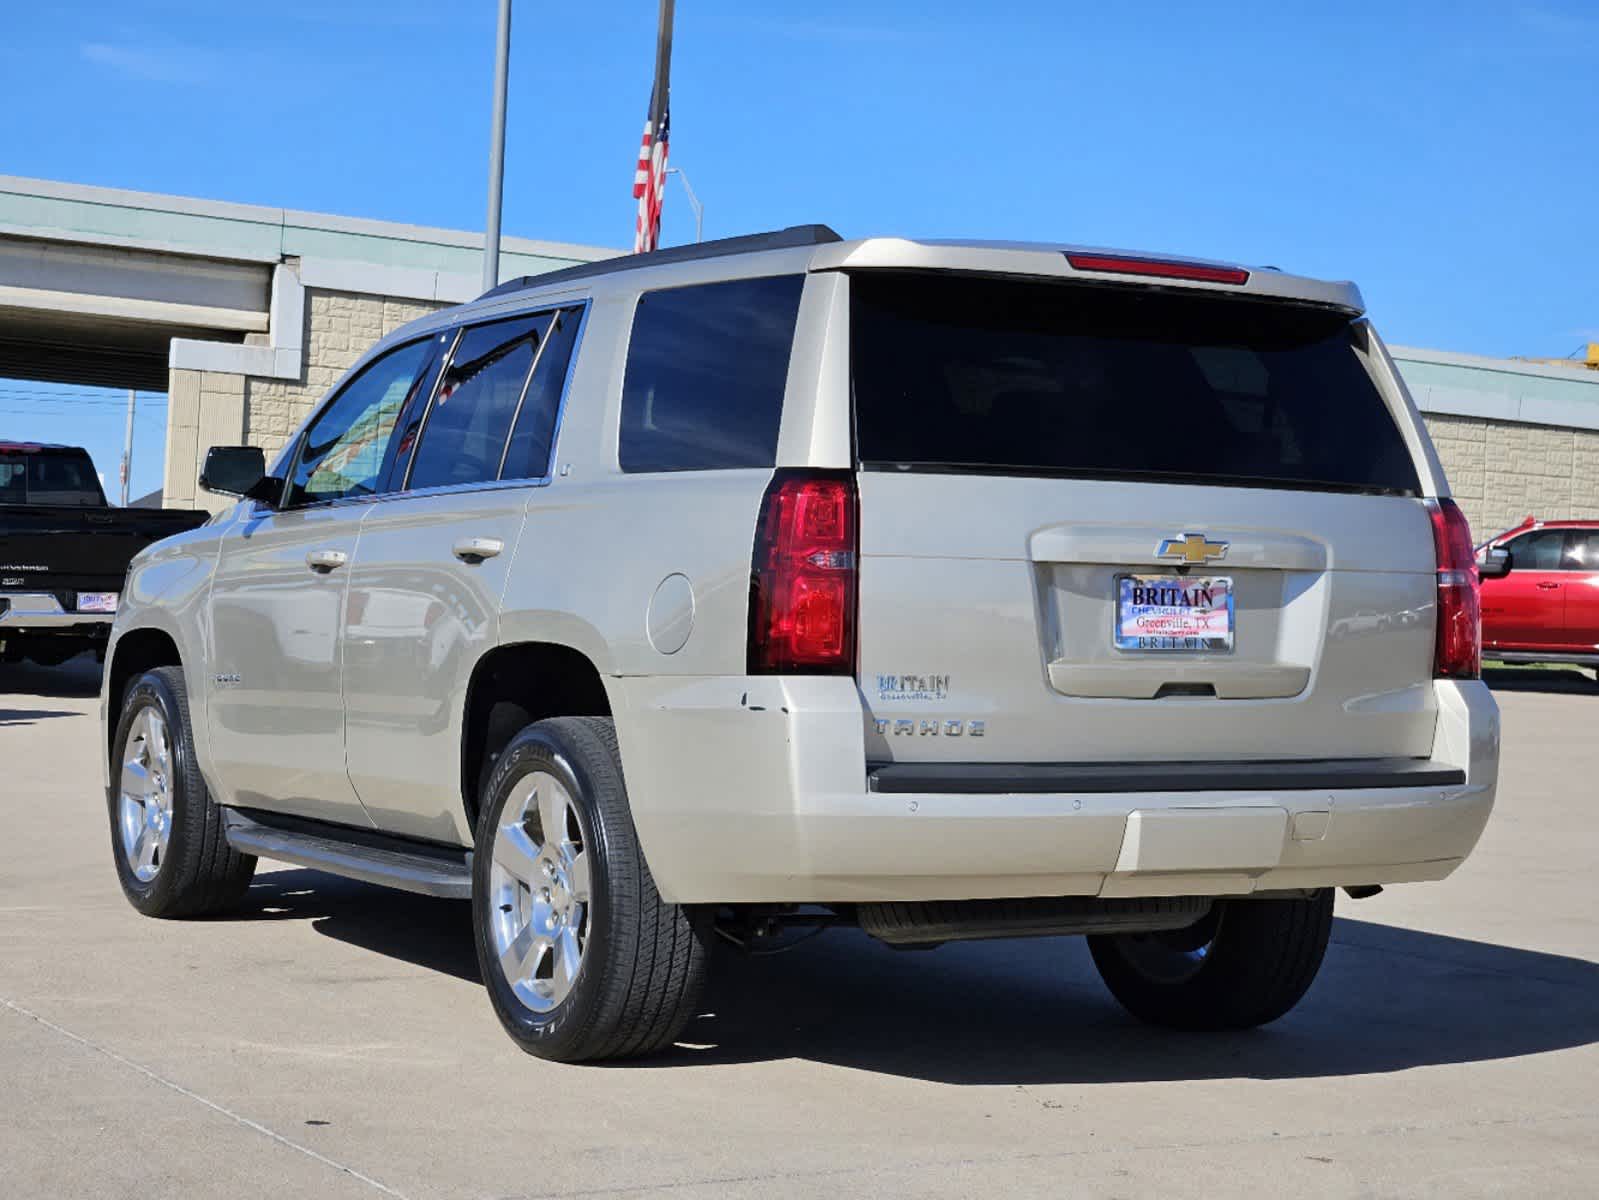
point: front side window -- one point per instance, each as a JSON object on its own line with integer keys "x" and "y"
{"x": 342, "y": 451}
{"x": 706, "y": 369}
{"x": 1540, "y": 550}
{"x": 464, "y": 433}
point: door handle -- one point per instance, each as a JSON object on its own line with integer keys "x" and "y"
{"x": 323, "y": 561}
{"x": 1547, "y": 587}
{"x": 474, "y": 550}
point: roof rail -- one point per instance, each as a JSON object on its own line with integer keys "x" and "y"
{"x": 781, "y": 239}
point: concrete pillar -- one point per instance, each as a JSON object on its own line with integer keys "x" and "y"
{"x": 204, "y": 409}
{"x": 183, "y": 434}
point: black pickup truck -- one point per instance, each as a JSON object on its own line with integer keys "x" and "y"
{"x": 64, "y": 551}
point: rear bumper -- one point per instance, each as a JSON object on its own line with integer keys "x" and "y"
{"x": 756, "y": 790}
{"x": 1271, "y": 775}
{"x": 41, "y": 613}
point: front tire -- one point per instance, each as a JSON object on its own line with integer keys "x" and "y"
{"x": 167, "y": 839}
{"x": 1246, "y": 963}
{"x": 581, "y": 957}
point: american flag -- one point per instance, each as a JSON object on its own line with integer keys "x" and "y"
{"x": 649, "y": 181}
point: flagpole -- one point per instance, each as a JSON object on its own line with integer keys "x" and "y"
{"x": 491, "y": 234}
{"x": 663, "y": 56}
{"x": 649, "y": 183}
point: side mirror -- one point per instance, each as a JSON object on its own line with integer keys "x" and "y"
{"x": 239, "y": 471}
{"x": 1494, "y": 563}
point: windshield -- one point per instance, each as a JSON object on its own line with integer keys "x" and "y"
{"x": 961, "y": 373}
{"x": 64, "y": 477}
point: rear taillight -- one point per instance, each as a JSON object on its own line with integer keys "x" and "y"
{"x": 1458, "y": 652}
{"x": 802, "y": 580}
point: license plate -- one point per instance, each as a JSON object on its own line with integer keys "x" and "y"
{"x": 1174, "y": 612}
{"x": 97, "y": 602}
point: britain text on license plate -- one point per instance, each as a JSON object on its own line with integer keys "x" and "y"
{"x": 1174, "y": 612}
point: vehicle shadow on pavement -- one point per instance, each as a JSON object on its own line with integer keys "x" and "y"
{"x": 1020, "y": 1012}
{"x": 1034, "y": 1012}
{"x": 436, "y": 934}
{"x": 1567, "y": 680}
{"x": 31, "y": 716}
{"x": 77, "y": 678}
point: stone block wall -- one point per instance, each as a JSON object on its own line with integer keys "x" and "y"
{"x": 1501, "y": 471}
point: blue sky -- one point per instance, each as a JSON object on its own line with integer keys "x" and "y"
{"x": 1441, "y": 154}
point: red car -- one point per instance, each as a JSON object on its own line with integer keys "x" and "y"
{"x": 1540, "y": 593}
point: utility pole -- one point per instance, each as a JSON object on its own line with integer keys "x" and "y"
{"x": 491, "y": 235}
{"x": 693, "y": 202}
{"x": 127, "y": 447}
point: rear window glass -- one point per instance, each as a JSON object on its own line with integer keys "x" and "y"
{"x": 961, "y": 373}
{"x": 706, "y": 368}
{"x": 49, "y": 477}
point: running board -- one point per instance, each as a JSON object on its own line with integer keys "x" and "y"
{"x": 367, "y": 855}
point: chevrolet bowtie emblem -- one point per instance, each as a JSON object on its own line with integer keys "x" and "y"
{"x": 1192, "y": 548}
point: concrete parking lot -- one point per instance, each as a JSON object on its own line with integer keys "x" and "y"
{"x": 332, "y": 1039}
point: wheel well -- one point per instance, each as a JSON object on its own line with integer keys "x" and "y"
{"x": 138, "y": 651}
{"x": 512, "y": 687}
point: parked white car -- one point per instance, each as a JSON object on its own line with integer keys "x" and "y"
{"x": 950, "y": 590}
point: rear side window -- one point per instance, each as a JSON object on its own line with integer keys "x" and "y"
{"x": 464, "y": 433}
{"x": 959, "y": 373}
{"x": 1583, "y": 552}
{"x": 529, "y": 454}
{"x": 706, "y": 368}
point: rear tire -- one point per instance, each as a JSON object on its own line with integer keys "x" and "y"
{"x": 167, "y": 839}
{"x": 1247, "y": 963}
{"x": 581, "y": 957}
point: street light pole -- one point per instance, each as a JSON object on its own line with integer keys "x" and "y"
{"x": 491, "y": 234}
{"x": 127, "y": 448}
{"x": 693, "y": 202}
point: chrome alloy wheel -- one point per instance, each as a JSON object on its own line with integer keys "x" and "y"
{"x": 539, "y": 892}
{"x": 145, "y": 807}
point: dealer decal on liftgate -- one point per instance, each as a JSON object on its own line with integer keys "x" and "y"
{"x": 913, "y": 687}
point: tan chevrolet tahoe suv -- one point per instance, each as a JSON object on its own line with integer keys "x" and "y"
{"x": 944, "y": 589}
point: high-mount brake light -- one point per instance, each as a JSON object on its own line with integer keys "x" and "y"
{"x": 1458, "y": 648}
{"x": 803, "y": 576}
{"x": 1159, "y": 268}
